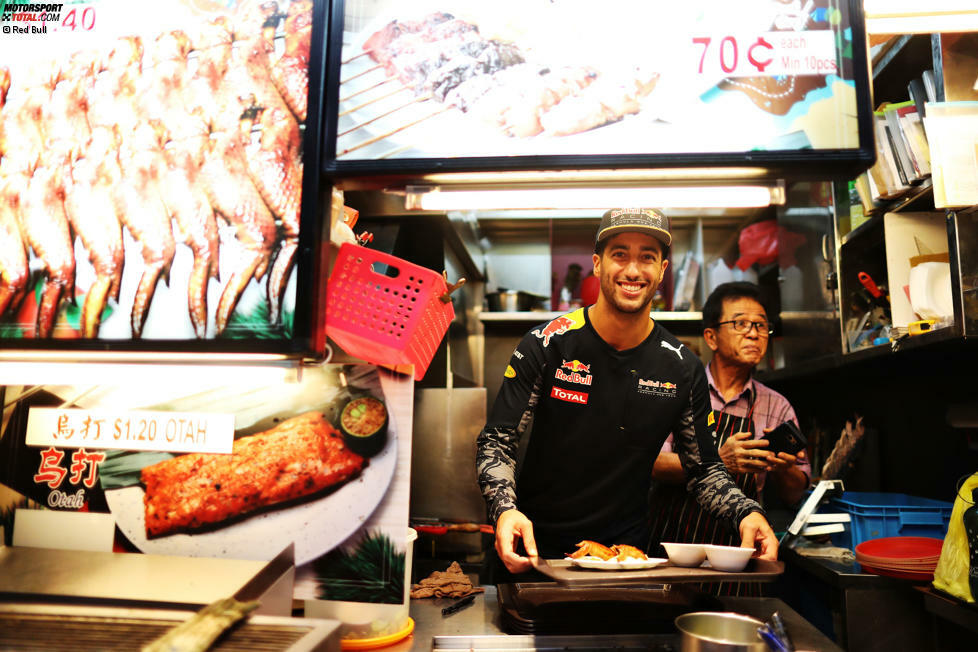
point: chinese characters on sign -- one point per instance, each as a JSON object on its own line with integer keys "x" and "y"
{"x": 175, "y": 432}
{"x": 83, "y": 469}
{"x": 81, "y": 436}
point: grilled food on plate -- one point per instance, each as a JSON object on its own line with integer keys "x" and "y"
{"x": 299, "y": 457}
{"x": 589, "y": 548}
{"x": 626, "y": 551}
{"x": 617, "y": 552}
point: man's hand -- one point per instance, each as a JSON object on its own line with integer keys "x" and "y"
{"x": 756, "y": 533}
{"x": 741, "y": 453}
{"x": 510, "y": 526}
{"x": 790, "y": 481}
{"x": 785, "y": 461}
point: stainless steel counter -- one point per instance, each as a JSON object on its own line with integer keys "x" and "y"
{"x": 482, "y": 619}
{"x": 134, "y": 580}
{"x": 866, "y": 612}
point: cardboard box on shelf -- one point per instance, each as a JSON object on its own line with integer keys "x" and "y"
{"x": 908, "y": 235}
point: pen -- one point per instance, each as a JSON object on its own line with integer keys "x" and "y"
{"x": 461, "y": 604}
{"x": 777, "y": 624}
{"x": 771, "y": 639}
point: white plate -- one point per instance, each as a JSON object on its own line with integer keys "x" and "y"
{"x": 611, "y": 564}
{"x": 316, "y": 527}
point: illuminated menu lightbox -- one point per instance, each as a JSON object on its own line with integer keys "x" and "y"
{"x": 709, "y": 81}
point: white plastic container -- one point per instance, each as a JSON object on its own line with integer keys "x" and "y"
{"x": 930, "y": 290}
{"x": 728, "y": 558}
{"x": 685, "y": 554}
{"x": 368, "y": 620}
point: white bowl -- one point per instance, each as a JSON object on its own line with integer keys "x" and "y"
{"x": 728, "y": 558}
{"x": 685, "y": 554}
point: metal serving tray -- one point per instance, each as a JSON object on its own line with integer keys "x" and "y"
{"x": 561, "y": 570}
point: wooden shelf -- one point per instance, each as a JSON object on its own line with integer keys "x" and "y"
{"x": 805, "y": 315}
{"x": 918, "y": 198}
{"x": 938, "y": 341}
{"x": 874, "y": 221}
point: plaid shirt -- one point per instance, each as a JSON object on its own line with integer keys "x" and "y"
{"x": 771, "y": 409}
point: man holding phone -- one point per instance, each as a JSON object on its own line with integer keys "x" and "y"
{"x": 736, "y": 328}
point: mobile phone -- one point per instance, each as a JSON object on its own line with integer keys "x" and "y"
{"x": 786, "y": 438}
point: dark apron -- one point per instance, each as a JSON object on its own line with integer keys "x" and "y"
{"x": 676, "y": 517}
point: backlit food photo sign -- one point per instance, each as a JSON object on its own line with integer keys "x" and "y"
{"x": 215, "y": 470}
{"x": 151, "y": 171}
{"x": 463, "y": 78}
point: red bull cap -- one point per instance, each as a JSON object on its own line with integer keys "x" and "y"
{"x": 643, "y": 220}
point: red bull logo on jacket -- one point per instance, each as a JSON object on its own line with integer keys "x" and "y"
{"x": 560, "y": 325}
{"x": 576, "y": 365}
{"x": 657, "y": 387}
{"x": 576, "y": 372}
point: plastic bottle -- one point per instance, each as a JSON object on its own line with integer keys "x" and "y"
{"x": 792, "y": 289}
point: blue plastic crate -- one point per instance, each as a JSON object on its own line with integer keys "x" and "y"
{"x": 877, "y": 515}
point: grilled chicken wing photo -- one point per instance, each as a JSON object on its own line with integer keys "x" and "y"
{"x": 275, "y": 167}
{"x": 162, "y": 142}
{"x": 145, "y": 215}
{"x": 91, "y": 204}
{"x": 45, "y": 227}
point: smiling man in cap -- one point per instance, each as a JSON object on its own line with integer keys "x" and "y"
{"x": 603, "y": 386}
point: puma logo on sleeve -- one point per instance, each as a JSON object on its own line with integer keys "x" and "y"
{"x": 674, "y": 349}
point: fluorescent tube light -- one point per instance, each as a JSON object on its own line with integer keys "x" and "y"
{"x": 628, "y": 175}
{"x": 108, "y": 373}
{"x": 918, "y": 17}
{"x": 446, "y": 198}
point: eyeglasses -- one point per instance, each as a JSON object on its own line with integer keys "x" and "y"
{"x": 744, "y": 325}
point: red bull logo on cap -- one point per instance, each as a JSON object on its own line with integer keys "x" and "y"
{"x": 579, "y": 372}
{"x": 560, "y": 325}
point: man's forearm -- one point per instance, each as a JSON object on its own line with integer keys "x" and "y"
{"x": 668, "y": 469}
{"x": 496, "y": 469}
{"x": 719, "y": 495}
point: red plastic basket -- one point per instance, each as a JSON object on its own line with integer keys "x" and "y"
{"x": 392, "y": 317}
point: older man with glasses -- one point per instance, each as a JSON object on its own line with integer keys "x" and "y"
{"x": 737, "y": 329}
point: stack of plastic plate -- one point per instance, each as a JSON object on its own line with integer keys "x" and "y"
{"x": 912, "y": 558}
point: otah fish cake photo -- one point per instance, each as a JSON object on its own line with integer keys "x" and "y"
{"x": 296, "y": 459}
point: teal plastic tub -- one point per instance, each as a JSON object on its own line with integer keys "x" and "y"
{"x": 878, "y": 515}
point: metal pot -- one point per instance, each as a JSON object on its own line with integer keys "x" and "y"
{"x": 512, "y": 301}
{"x": 706, "y": 631}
